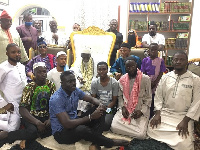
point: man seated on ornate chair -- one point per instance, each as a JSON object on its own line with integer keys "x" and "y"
{"x": 48, "y": 59}
{"x": 34, "y": 108}
{"x": 84, "y": 71}
{"x": 118, "y": 69}
{"x": 134, "y": 99}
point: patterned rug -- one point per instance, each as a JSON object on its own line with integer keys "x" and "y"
{"x": 147, "y": 144}
{"x": 31, "y": 146}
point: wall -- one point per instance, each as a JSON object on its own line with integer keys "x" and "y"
{"x": 64, "y": 11}
{"x": 67, "y": 12}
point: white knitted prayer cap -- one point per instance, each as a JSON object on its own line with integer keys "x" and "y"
{"x": 35, "y": 65}
{"x": 61, "y": 53}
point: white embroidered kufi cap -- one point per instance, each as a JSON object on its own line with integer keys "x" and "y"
{"x": 86, "y": 51}
{"x": 38, "y": 64}
{"x": 61, "y": 53}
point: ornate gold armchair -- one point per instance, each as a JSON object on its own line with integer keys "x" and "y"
{"x": 54, "y": 51}
{"x": 100, "y": 42}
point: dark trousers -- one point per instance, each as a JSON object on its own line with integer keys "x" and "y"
{"x": 91, "y": 131}
{"x": 29, "y": 132}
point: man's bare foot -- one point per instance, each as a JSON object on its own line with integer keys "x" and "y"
{"x": 3, "y": 134}
{"x": 94, "y": 147}
{"x": 120, "y": 142}
{"x": 23, "y": 144}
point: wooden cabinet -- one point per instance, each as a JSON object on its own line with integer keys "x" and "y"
{"x": 173, "y": 19}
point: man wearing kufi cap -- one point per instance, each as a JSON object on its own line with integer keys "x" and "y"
{"x": 9, "y": 35}
{"x": 34, "y": 108}
{"x": 84, "y": 71}
{"x": 54, "y": 74}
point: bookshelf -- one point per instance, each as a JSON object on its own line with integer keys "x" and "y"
{"x": 173, "y": 19}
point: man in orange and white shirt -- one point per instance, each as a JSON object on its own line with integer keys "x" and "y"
{"x": 9, "y": 35}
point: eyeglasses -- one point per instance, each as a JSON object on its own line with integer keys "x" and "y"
{"x": 42, "y": 46}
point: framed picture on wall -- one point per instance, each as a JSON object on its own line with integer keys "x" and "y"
{"x": 4, "y": 2}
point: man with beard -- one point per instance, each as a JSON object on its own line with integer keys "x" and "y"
{"x": 177, "y": 105}
{"x": 12, "y": 83}
{"x": 54, "y": 74}
{"x": 67, "y": 127}
{"x": 34, "y": 108}
{"x": 85, "y": 71}
{"x": 154, "y": 37}
{"x": 134, "y": 104}
{"x": 28, "y": 33}
{"x": 9, "y": 35}
{"x": 119, "y": 39}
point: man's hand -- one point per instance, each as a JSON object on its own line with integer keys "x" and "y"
{"x": 55, "y": 36}
{"x": 9, "y": 107}
{"x": 125, "y": 112}
{"x": 98, "y": 113}
{"x": 136, "y": 114}
{"x": 81, "y": 80}
{"x": 41, "y": 126}
{"x": 47, "y": 123}
{"x": 183, "y": 127}
{"x": 156, "y": 120}
{"x": 118, "y": 75}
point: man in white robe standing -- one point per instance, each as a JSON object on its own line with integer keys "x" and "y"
{"x": 177, "y": 104}
{"x": 12, "y": 82}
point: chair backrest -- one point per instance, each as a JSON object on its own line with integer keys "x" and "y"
{"x": 55, "y": 50}
{"x": 140, "y": 52}
{"x": 101, "y": 43}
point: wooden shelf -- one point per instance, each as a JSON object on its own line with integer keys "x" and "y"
{"x": 174, "y": 49}
{"x": 167, "y": 31}
{"x": 158, "y": 13}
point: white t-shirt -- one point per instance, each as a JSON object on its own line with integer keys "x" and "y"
{"x": 158, "y": 38}
{"x": 54, "y": 76}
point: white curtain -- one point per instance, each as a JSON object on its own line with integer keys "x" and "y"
{"x": 95, "y": 13}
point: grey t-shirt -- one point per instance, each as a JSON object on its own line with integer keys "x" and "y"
{"x": 104, "y": 94}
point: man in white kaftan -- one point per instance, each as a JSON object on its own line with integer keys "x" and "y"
{"x": 135, "y": 125}
{"x": 176, "y": 99}
{"x": 12, "y": 82}
{"x": 85, "y": 70}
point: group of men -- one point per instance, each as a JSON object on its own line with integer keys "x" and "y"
{"x": 48, "y": 105}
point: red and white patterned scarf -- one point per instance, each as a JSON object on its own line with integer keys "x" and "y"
{"x": 130, "y": 100}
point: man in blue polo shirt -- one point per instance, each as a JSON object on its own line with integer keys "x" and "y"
{"x": 67, "y": 127}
